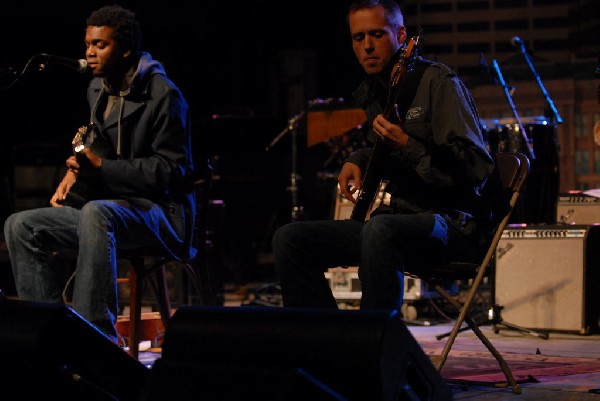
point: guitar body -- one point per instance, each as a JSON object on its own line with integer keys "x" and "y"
{"x": 88, "y": 186}
{"x": 84, "y": 190}
{"x": 371, "y": 181}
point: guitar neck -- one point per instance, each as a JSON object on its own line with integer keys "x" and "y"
{"x": 372, "y": 177}
{"x": 370, "y": 183}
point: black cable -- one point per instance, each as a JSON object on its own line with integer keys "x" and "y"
{"x": 20, "y": 74}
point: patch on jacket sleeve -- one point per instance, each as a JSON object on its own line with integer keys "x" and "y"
{"x": 414, "y": 113}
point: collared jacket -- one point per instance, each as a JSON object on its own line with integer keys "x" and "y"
{"x": 445, "y": 163}
{"x": 149, "y": 156}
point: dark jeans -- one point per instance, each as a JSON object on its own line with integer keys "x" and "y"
{"x": 93, "y": 231}
{"x": 383, "y": 248}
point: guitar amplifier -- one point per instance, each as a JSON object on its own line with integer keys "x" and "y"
{"x": 578, "y": 208}
{"x": 547, "y": 277}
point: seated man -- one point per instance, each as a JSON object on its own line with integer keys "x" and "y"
{"x": 124, "y": 190}
{"x": 436, "y": 163}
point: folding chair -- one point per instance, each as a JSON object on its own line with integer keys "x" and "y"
{"x": 503, "y": 192}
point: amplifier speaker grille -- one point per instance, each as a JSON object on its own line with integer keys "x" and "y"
{"x": 547, "y": 277}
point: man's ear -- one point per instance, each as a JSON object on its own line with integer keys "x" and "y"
{"x": 401, "y": 35}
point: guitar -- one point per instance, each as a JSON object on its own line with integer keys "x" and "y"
{"x": 371, "y": 181}
{"x": 88, "y": 186}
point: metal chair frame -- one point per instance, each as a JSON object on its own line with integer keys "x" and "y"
{"x": 511, "y": 172}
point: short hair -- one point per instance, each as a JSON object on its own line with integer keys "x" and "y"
{"x": 393, "y": 13}
{"x": 126, "y": 29}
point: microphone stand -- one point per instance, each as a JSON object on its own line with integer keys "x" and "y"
{"x": 292, "y": 128}
{"x": 555, "y": 116}
{"x": 40, "y": 67}
{"x": 500, "y": 80}
{"x": 550, "y": 184}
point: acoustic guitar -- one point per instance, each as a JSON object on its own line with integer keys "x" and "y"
{"x": 371, "y": 181}
{"x": 88, "y": 185}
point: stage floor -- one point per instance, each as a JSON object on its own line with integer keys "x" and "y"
{"x": 574, "y": 350}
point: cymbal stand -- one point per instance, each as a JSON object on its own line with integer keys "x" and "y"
{"x": 292, "y": 128}
{"x": 497, "y": 322}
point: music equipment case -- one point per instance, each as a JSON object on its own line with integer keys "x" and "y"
{"x": 547, "y": 277}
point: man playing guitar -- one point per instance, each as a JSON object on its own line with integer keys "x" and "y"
{"x": 136, "y": 168}
{"x": 430, "y": 150}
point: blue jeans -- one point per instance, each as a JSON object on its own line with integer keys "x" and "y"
{"x": 94, "y": 231}
{"x": 382, "y": 248}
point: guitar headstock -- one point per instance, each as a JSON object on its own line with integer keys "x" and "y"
{"x": 82, "y": 138}
{"x": 407, "y": 59}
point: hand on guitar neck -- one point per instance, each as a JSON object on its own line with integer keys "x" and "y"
{"x": 350, "y": 177}
{"x": 390, "y": 132}
{"x": 83, "y": 161}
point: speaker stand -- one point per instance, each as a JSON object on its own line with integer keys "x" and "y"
{"x": 498, "y": 322}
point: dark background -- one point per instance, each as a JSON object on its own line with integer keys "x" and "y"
{"x": 245, "y": 68}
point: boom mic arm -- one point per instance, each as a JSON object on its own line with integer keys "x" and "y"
{"x": 518, "y": 42}
{"x": 80, "y": 65}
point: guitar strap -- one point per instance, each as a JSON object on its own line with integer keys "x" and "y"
{"x": 409, "y": 86}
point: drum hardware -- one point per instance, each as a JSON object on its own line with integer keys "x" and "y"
{"x": 507, "y": 92}
{"x": 292, "y": 128}
{"x": 538, "y": 205}
{"x": 540, "y": 196}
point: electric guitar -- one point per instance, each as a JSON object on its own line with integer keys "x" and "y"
{"x": 371, "y": 181}
{"x": 88, "y": 185}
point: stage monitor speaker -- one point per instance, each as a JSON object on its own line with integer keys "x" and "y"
{"x": 50, "y": 352}
{"x": 547, "y": 277}
{"x": 292, "y": 354}
{"x": 578, "y": 208}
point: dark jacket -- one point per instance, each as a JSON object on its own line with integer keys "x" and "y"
{"x": 151, "y": 147}
{"x": 445, "y": 163}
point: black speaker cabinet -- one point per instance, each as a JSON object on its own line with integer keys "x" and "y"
{"x": 578, "y": 208}
{"x": 291, "y": 354}
{"x": 547, "y": 277}
{"x": 48, "y": 351}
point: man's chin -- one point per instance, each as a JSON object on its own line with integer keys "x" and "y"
{"x": 96, "y": 71}
{"x": 372, "y": 69}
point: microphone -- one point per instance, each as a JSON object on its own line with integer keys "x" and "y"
{"x": 80, "y": 65}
